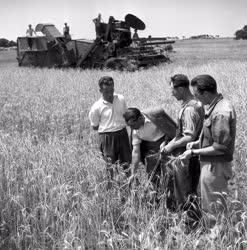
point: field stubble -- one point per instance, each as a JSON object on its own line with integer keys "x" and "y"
{"x": 53, "y": 182}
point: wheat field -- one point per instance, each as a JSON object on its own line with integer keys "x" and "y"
{"x": 53, "y": 183}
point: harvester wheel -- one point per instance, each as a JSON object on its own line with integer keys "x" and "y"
{"x": 114, "y": 63}
{"x": 120, "y": 64}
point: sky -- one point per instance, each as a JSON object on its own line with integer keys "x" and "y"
{"x": 162, "y": 17}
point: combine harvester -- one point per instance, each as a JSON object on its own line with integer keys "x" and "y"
{"x": 113, "y": 47}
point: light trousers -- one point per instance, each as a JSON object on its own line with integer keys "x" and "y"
{"x": 213, "y": 183}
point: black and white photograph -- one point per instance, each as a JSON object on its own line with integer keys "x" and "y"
{"x": 123, "y": 125}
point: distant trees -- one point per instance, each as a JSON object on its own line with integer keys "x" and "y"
{"x": 204, "y": 36}
{"x": 241, "y": 34}
{"x": 168, "y": 48}
{"x": 6, "y": 43}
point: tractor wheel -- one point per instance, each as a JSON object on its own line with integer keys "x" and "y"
{"x": 114, "y": 64}
{"x": 120, "y": 64}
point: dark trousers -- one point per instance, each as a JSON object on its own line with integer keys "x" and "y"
{"x": 193, "y": 169}
{"x": 149, "y": 157}
{"x": 30, "y": 42}
{"x": 115, "y": 146}
{"x": 194, "y": 172}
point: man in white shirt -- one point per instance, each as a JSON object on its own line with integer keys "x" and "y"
{"x": 30, "y": 33}
{"x": 149, "y": 130}
{"x": 106, "y": 116}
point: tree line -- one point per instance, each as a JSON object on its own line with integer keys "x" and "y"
{"x": 242, "y": 33}
{"x": 6, "y": 43}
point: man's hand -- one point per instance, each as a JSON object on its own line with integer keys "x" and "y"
{"x": 133, "y": 181}
{"x": 186, "y": 155}
{"x": 162, "y": 146}
{"x": 166, "y": 149}
{"x": 134, "y": 168}
{"x": 190, "y": 145}
{"x": 193, "y": 145}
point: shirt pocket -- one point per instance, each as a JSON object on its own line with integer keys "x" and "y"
{"x": 221, "y": 169}
{"x": 207, "y": 123}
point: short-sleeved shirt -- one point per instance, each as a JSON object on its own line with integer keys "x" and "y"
{"x": 148, "y": 132}
{"x": 219, "y": 129}
{"x": 108, "y": 116}
{"x": 190, "y": 119}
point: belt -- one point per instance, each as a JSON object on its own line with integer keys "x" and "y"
{"x": 113, "y": 132}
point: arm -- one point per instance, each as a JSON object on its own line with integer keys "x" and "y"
{"x": 220, "y": 129}
{"x": 208, "y": 151}
{"x": 221, "y": 138}
{"x": 135, "y": 157}
{"x": 94, "y": 117}
{"x": 163, "y": 144}
{"x": 190, "y": 120}
{"x": 182, "y": 142}
{"x": 193, "y": 145}
{"x": 136, "y": 151}
{"x": 123, "y": 102}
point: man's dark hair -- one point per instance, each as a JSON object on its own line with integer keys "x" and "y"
{"x": 180, "y": 80}
{"x": 132, "y": 114}
{"x": 204, "y": 83}
{"x": 106, "y": 80}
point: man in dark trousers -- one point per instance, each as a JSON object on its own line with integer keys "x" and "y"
{"x": 106, "y": 116}
{"x": 149, "y": 129}
{"x": 190, "y": 121}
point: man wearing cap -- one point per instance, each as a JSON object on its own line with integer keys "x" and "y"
{"x": 190, "y": 121}
{"x": 106, "y": 116}
{"x": 215, "y": 146}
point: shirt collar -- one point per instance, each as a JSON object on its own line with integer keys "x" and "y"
{"x": 146, "y": 120}
{"x": 212, "y": 105}
{"x": 185, "y": 103}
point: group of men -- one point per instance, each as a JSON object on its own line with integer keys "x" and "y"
{"x": 201, "y": 142}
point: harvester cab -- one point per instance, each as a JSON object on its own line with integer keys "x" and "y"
{"x": 115, "y": 31}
